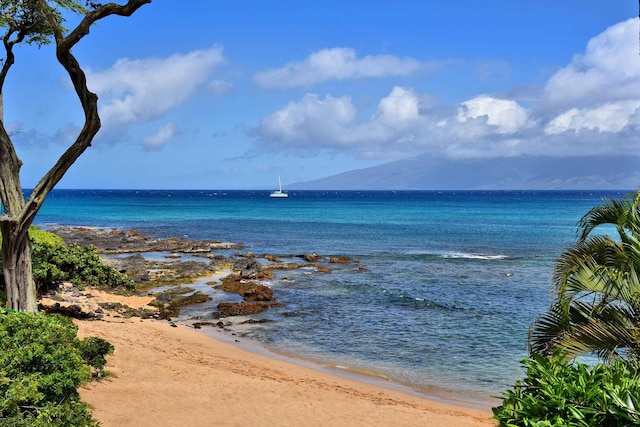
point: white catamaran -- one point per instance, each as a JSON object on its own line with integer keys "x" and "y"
{"x": 279, "y": 193}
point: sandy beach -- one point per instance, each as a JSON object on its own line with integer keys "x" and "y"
{"x": 177, "y": 376}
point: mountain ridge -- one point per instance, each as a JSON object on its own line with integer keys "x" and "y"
{"x": 504, "y": 173}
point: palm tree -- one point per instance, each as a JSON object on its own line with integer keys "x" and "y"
{"x": 596, "y": 299}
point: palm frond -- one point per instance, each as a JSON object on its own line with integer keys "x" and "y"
{"x": 598, "y": 265}
{"x": 605, "y": 331}
{"x": 546, "y": 329}
{"x": 596, "y": 282}
{"x": 611, "y": 211}
{"x": 584, "y": 329}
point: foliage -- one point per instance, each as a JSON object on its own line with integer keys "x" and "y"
{"x": 76, "y": 264}
{"x": 43, "y": 237}
{"x": 558, "y": 393}
{"x": 24, "y": 18}
{"x": 40, "y": 22}
{"x": 94, "y": 350}
{"x": 596, "y": 306}
{"x": 42, "y": 364}
{"x": 54, "y": 262}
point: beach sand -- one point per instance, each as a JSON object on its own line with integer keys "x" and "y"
{"x": 177, "y": 376}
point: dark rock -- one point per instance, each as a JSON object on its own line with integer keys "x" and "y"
{"x": 73, "y": 310}
{"x": 219, "y": 324}
{"x": 134, "y": 266}
{"x": 294, "y": 314}
{"x": 311, "y": 257}
{"x": 173, "y": 306}
{"x": 127, "y": 241}
{"x": 126, "y": 311}
{"x": 283, "y": 266}
{"x": 249, "y": 291}
{"x": 170, "y": 294}
{"x": 271, "y": 258}
{"x": 254, "y": 321}
{"x": 227, "y": 309}
{"x": 340, "y": 260}
{"x": 248, "y": 268}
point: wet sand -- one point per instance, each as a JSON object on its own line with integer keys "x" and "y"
{"x": 168, "y": 376}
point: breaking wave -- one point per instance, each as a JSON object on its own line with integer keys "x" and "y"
{"x": 466, "y": 255}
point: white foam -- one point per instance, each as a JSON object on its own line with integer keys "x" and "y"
{"x": 465, "y": 255}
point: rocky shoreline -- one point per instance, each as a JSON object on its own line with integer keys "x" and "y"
{"x": 168, "y": 280}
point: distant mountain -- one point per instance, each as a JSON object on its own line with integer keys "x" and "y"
{"x": 513, "y": 173}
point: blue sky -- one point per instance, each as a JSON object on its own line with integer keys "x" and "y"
{"x": 231, "y": 95}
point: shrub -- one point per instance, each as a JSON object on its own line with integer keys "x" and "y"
{"x": 43, "y": 237}
{"x": 560, "y": 393}
{"x": 53, "y": 262}
{"x": 94, "y": 350}
{"x": 76, "y": 264}
{"x": 42, "y": 364}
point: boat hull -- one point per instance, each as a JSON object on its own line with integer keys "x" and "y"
{"x": 278, "y": 195}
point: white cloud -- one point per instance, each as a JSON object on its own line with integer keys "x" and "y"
{"x": 144, "y": 89}
{"x": 609, "y": 70}
{"x": 161, "y": 138}
{"x": 309, "y": 119}
{"x": 612, "y": 117}
{"x": 332, "y": 124}
{"x": 591, "y": 106}
{"x": 506, "y": 115}
{"x": 400, "y": 108}
{"x": 480, "y": 127}
{"x": 335, "y": 64}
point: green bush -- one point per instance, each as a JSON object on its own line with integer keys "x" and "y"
{"x": 76, "y": 264}
{"x": 42, "y": 364}
{"x": 41, "y": 236}
{"x": 94, "y": 350}
{"x": 560, "y": 393}
{"x": 53, "y": 262}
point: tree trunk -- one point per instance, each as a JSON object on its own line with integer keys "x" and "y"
{"x": 18, "y": 277}
{"x": 14, "y": 227}
{"x": 19, "y": 215}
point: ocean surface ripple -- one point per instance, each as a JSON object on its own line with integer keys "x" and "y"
{"x": 452, "y": 279}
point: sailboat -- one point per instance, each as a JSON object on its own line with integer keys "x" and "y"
{"x": 276, "y": 194}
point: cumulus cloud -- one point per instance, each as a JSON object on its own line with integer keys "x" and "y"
{"x": 399, "y": 108}
{"x": 608, "y": 70}
{"x": 145, "y": 89}
{"x": 590, "y": 106}
{"x": 507, "y": 116}
{"x": 310, "y": 118}
{"x": 403, "y": 124}
{"x": 334, "y": 123}
{"x": 160, "y": 138}
{"x": 335, "y": 64}
{"x": 611, "y": 117}
{"x": 599, "y": 91}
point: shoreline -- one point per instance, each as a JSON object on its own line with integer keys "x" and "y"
{"x": 148, "y": 375}
{"x": 164, "y": 375}
{"x": 436, "y": 394}
{"x": 130, "y": 242}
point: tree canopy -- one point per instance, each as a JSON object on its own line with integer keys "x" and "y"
{"x": 596, "y": 285}
{"x": 41, "y": 22}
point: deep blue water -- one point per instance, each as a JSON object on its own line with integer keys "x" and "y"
{"x": 452, "y": 279}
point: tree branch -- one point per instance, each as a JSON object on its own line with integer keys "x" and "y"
{"x": 101, "y": 12}
{"x": 88, "y": 99}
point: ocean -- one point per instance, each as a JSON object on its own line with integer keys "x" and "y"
{"x": 451, "y": 280}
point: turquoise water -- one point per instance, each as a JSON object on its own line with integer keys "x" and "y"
{"x": 452, "y": 279}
